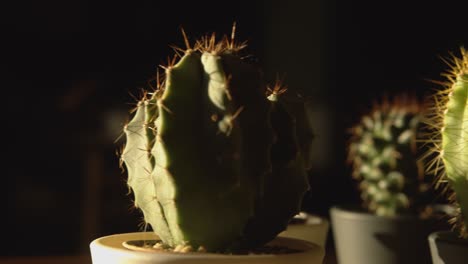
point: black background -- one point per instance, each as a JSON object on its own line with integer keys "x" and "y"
{"x": 68, "y": 69}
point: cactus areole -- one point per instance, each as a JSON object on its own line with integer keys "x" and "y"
{"x": 212, "y": 162}
{"x": 450, "y": 125}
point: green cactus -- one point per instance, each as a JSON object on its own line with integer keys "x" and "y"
{"x": 449, "y": 124}
{"x": 211, "y": 161}
{"x": 383, "y": 154}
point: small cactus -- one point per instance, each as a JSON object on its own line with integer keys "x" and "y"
{"x": 383, "y": 154}
{"x": 448, "y": 122}
{"x": 213, "y": 162}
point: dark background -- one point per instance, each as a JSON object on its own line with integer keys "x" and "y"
{"x": 68, "y": 69}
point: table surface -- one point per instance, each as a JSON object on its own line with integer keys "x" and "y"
{"x": 86, "y": 259}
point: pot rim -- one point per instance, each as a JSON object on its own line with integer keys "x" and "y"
{"x": 448, "y": 237}
{"x": 310, "y": 219}
{"x": 355, "y": 212}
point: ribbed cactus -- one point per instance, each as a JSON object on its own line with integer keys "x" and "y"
{"x": 449, "y": 123}
{"x": 383, "y": 154}
{"x": 212, "y": 162}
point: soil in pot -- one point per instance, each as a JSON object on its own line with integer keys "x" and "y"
{"x": 158, "y": 246}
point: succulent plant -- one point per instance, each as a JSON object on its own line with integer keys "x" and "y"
{"x": 212, "y": 154}
{"x": 448, "y": 123}
{"x": 384, "y": 158}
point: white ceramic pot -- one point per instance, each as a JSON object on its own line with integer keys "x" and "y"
{"x": 448, "y": 248}
{"x": 309, "y": 227}
{"x": 110, "y": 250}
{"x": 364, "y": 238}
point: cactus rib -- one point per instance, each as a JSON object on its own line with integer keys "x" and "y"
{"x": 202, "y": 153}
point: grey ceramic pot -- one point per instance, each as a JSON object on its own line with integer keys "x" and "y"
{"x": 447, "y": 248}
{"x": 364, "y": 238}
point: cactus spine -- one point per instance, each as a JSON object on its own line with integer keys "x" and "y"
{"x": 206, "y": 153}
{"x": 449, "y": 123}
{"x": 383, "y": 155}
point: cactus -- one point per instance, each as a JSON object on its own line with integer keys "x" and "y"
{"x": 449, "y": 125}
{"x": 213, "y": 163}
{"x": 383, "y": 154}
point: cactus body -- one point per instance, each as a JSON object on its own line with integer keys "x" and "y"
{"x": 383, "y": 154}
{"x": 450, "y": 122}
{"x": 201, "y": 154}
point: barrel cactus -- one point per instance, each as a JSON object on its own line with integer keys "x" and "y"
{"x": 384, "y": 158}
{"x": 212, "y": 154}
{"x": 448, "y": 122}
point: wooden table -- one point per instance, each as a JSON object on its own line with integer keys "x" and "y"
{"x": 85, "y": 259}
